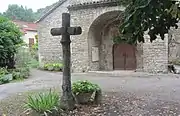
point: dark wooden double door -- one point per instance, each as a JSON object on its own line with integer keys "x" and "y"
{"x": 124, "y": 57}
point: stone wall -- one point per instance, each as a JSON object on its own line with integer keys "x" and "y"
{"x": 106, "y": 55}
{"x": 174, "y": 44}
{"x": 139, "y": 57}
{"x": 49, "y": 47}
{"x": 155, "y": 55}
{"x": 82, "y": 44}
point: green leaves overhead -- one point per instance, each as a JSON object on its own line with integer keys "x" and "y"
{"x": 154, "y": 16}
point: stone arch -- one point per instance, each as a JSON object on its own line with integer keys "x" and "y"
{"x": 100, "y": 41}
{"x": 104, "y": 12}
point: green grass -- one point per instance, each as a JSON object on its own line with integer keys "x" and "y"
{"x": 14, "y": 105}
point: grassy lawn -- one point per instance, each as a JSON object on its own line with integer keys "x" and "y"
{"x": 14, "y": 105}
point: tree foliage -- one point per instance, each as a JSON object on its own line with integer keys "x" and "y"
{"x": 19, "y": 13}
{"x": 42, "y": 11}
{"x": 10, "y": 38}
{"x": 155, "y": 17}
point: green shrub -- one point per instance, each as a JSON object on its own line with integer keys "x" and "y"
{"x": 50, "y": 67}
{"x": 17, "y": 75}
{"x": 34, "y": 49}
{"x": 25, "y": 72}
{"x": 13, "y": 74}
{"x": 10, "y": 38}
{"x": 5, "y": 76}
{"x": 22, "y": 65}
{"x": 44, "y": 103}
{"x": 45, "y": 67}
{"x": 3, "y": 71}
{"x": 23, "y": 57}
{"x": 33, "y": 63}
{"x": 53, "y": 66}
{"x": 84, "y": 87}
{"x": 21, "y": 73}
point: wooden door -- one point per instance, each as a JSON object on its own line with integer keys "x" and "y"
{"x": 119, "y": 57}
{"x": 124, "y": 57}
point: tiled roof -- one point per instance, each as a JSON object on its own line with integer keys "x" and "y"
{"x": 26, "y": 26}
{"x": 93, "y": 4}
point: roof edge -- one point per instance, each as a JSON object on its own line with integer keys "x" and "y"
{"x": 50, "y": 11}
{"x": 94, "y": 4}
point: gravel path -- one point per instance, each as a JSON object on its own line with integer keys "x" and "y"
{"x": 166, "y": 85}
{"x": 157, "y": 91}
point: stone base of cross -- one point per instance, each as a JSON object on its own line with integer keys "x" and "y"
{"x": 67, "y": 99}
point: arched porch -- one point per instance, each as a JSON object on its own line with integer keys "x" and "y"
{"x": 102, "y": 52}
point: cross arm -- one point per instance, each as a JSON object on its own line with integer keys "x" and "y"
{"x": 70, "y": 31}
{"x": 57, "y": 31}
{"x": 74, "y": 30}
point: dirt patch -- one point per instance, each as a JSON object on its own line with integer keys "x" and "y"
{"x": 120, "y": 104}
{"x": 113, "y": 104}
{"x": 14, "y": 105}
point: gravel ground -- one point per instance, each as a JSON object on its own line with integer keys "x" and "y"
{"x": 113, "y": 104}
{"x": 126, "y": 93}
{"x": 123, "y": 104}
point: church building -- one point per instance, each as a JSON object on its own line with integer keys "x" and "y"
{"x": 94, "y": 49}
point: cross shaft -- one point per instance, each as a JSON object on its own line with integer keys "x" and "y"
{"x": 67, "y": 99}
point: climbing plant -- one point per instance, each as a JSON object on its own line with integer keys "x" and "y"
{"x": 155, "y": 17}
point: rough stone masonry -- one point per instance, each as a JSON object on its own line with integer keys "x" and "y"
{"x": 94, "y": 50}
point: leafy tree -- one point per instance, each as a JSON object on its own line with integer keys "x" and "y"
{"x": 19, "y": 13}
{"x": 42, "y": 11}
{"x": 155, "y": 17}
{"x": 10, "y": 38}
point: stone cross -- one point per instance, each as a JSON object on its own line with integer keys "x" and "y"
{"x": 67, "y": 98}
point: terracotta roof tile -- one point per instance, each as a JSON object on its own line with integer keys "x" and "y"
{"x": 25, "y": 26}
